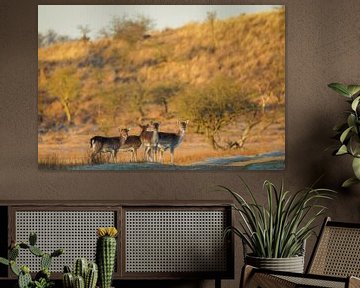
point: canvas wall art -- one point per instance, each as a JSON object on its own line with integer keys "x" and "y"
{"x": 157, "y": 87}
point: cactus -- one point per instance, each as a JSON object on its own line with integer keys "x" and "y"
{"x": 80, "y": 268}
{"x": 91, "y": 276}
{"x": 14, "y": 268}
{"x": 79, "y": 282}
{"x": 13, "y": 253}
{"x": 24, "y": 245}
{"x": 57, "y": 253}
{"x": 32, "y": 238}
{"x": 44, "y": 273}
{"x": 90, "y": 272}
{"x": 45, "y": 261}
{"x": 105, "y": 254}
{"x": 24, "y": 278}
{"x": 36, "y": 251}
{"x": 68, "y": 280}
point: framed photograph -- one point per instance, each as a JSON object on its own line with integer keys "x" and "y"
{"x": 161, "y": 87}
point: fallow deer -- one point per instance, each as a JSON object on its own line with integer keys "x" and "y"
{"x": 132, "y": 144}
{"x": 100, "y": 144}
{"x": 149, "y": 140}
{"x": 171, "y": 140}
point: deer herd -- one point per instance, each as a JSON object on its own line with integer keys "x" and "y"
{"x": 154, "y": 142}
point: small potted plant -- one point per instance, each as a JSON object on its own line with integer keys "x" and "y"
{"x": 348, "y": 132}
{"x": 276, "y": 233}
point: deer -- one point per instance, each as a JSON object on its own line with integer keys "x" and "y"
{"x": 101, "y": 144}
{"x": 149, "y": 140}
{"x": 132, "y": 143}
{"x": 171, "y": 140}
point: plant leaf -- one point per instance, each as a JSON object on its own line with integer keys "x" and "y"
{"x": 340, "y": 88}
{"x": 354, "y": 145}
{"x": 355, "y": 103}
{"x": 4, "y": 261}
{"x": 351, "y": 120}
{"x": 356, "y": 167}
{"x": 353, "y": 89}
{"x": 345, "y": 134}
{"x": 340, "y": 127}
{"x": 342, "y": 150}
{"x": 349, "y": 182}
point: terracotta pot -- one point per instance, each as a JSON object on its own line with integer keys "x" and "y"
{"x": 291, "y": 264}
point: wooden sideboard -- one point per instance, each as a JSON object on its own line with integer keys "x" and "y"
{"x": 157, "y": 240}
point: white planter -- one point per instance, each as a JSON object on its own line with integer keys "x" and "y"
{"x": 291, "y": 264}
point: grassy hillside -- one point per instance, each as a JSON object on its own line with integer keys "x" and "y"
{"x": 88, "y": 88}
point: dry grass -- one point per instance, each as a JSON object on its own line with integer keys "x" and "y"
{"x": 75, "y": 149}
{"x": 57, "y": 162}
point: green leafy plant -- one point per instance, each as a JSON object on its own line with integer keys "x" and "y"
{"x": 348, "y": 132}
{"x": 42, "y": 278}
{"x": 43, "y": 283}
{"x": 279, "y": 229}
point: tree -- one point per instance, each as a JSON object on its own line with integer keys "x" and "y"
{"x": 41, "y": 40}
{"x": 130, "y": 30}
{"x": 135, "y": 94}
{"x": 65, "y": 85}
{"x": 84, "y": 30}
{"x": 163, "y": 92}
{"x": 50, "y": 37}
{"x": 214, "y": 106}
{"x": 211, "y": 19}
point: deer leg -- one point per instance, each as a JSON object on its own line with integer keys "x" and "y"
{"x": 95, "y": 151}
{"x": 114, "y": 156}
{"x": 135, "y": 155}
{"x": 132, "y": 156}
{"x": 92, "y": 157}
{"x": 145, "y": 154}
{"x": 157, "y": 149}
{"x": 149, "y": 152}
{"x": 154, "y": 153}
{"x": 172, "y": 150}
{"x": 161, "y": 157}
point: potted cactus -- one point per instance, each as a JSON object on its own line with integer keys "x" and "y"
{"x": 106, "y": 254}
{"x": 42, "y": 278}
{"x": 85, "y": 275}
